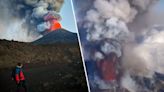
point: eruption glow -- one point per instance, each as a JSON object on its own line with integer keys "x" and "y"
{"x": 20, "y": 19}
{"x": 108, "y": 21}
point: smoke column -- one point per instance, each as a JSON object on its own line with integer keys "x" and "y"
{"x": 20, "y": 18}
{"x": 113, "y": 20}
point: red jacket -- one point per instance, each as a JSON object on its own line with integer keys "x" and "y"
{"x": 19, "y": 75}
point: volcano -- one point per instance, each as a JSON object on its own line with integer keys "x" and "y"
{"x": 58, "y": 36}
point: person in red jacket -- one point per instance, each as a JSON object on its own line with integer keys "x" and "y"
{"x": 20, "y": 78}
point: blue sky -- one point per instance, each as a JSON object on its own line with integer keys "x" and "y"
{"x": 67, "y": 15}
{"x": 160, "y": 6}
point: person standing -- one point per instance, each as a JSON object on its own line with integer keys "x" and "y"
{"x": 19, "y": 77}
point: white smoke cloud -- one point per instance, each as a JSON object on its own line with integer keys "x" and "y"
{"x": 112, "y": 8}
{"x": 12, "y": 28}
{"x": 18, "y": 32}
{"x": 108, "y": 19}
{"x": 98, "y": 56}
{"x": 151, "y": 52}
{"x": 40, "y": 9}
{"x": 109, "y": 47}
{"x": 128, "y": 83}
{"x": 143, "y": 5}
{"x": 19, "y": 18}
{"x": 145, "y": 58}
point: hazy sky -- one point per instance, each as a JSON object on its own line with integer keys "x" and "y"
{"x": 68, "y": 21}
{"x": 160, "y": 6}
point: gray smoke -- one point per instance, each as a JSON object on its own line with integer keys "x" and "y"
{"x": 112, "y": 19}
{"x": 20, "y": 18}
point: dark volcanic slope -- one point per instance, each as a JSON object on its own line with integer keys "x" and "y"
{"x": 59, "y": 36}
{"x": 48, "y": 68}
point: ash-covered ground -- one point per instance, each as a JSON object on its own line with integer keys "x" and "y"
{"x": 48, "y": 68}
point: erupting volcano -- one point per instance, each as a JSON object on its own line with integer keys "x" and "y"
{"x": 28, "y": 20}
{"x": 122, "y": 27}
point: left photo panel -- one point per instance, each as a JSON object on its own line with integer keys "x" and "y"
{"x": 39, "y": 48}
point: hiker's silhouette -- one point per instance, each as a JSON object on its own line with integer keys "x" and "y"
{"x": 19, "y": 78}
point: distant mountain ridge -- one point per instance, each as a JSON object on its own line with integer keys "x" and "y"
{"x": 58, "y": 36}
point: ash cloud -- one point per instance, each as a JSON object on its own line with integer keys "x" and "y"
{"x": 20, "y": 18}
{"x": 122, "y": 21}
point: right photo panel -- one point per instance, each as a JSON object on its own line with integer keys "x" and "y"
{"x": 122, "y": 44}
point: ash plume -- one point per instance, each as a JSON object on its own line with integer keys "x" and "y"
{"x": 109, "y": 21}
{"x": 150, "y": 52}
{"x": 20, "y": 19}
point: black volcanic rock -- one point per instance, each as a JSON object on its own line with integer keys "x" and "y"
{"x": 58, "y": 36}
{"x": 48, "y": 68}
